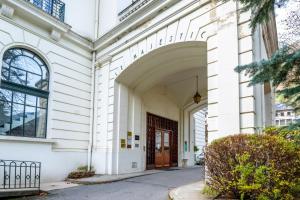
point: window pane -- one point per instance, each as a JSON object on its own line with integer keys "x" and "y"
{"x": 17, "y": 76}
{"x": 22, "y": 113}
{"x": 18, "y": 97}
{"x": 158, "y": 141}
{"x": 44, "y": 85}
{"x": 41, "y": 123}
{"x": 44, "y": 73}
{"x": 166, "y": 139}
{"x": 39, "y": 61}
{"x": 5, "y": 110}
{"x": 27, "y": 53}
{"x": 30, "y": 100}
{"x": 4, "y": 73}
{"x": 17, "y": 120}
{"x": 5, "y": 95}
{"x": 29, "y": 121}
{"x": 27, "y": 64}
{"x": 33, "y": 80}
{"x": 42, "y": 102}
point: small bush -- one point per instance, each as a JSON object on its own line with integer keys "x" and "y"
{"x": 291, "y": 132}
{"x": 210, "y": 192}
{"x": 81, "y": 172}
{"x": 253, "y": 167}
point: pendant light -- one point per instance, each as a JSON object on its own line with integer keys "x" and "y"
{"x": 197, "y": 96}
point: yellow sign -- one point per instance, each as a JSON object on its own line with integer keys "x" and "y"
{"x": 123, "y": 143}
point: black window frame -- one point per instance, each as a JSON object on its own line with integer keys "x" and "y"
{"x": 39, "y": 93}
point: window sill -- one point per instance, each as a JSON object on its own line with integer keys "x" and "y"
{"x": 25, "y": 139}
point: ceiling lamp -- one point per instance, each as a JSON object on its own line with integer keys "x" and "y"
{"x": 197, "y": 96}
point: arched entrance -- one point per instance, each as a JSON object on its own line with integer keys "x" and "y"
{"x": 153, "y": 102}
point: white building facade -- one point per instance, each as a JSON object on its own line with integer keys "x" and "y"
{"x": 285, "y": 115}
{"x": 113, "y": 81}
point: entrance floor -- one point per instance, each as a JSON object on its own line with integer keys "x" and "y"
{"x": 150, "y": 187}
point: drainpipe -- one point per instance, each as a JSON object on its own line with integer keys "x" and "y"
{"x": 92, "y": 111}
{"x": 93, "y": 92}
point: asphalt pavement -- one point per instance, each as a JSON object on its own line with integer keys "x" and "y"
{"x": 149, "y": 187}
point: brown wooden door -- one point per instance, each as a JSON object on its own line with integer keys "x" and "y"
{"x": 159, "y": 156}
{"x": 166, "y": 148}
{"x": 162, "y": 148}
{"x": 166, "y": 153}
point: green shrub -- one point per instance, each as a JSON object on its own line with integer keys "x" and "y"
{"x": 291, "y": 132}
{"x": 208, "y": 191}
{"x": 253, "y": 167}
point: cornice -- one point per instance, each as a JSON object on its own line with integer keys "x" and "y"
{"x": 103, "y": 61}
{"x": 29, "y": 10}
{"x": 180, "y": 12}
{"x": 58, "y": 29}
{"x": 144, "y": 14}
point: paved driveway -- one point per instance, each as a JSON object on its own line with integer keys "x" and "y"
{"x": 150, "y": 187}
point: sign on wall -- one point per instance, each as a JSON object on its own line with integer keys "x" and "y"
{"x": 123, "y": 143}
{"x": 137, "y": 141}
{"x": 129, "y": 140}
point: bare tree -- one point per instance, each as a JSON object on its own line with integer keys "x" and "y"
{"x": 290, "y": 25}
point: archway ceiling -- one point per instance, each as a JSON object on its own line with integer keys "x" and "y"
{"x": 181, "y": 87}
{"x": 174, "y": 67}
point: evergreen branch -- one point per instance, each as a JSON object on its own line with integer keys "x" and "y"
{"x": 290, "y": 91}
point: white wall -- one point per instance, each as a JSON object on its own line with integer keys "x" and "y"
{"x": 108, "y": 16}
{"x": 80, "y": 14}
{"x": 231, "y": 104}
{"x": 156, "y": 101}
{"x": 55, "y": 165}
{"x": 132, "y": 117}
{"x": 69, "y": 99}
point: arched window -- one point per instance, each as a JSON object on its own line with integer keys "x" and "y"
{"x": 24, "y": 91}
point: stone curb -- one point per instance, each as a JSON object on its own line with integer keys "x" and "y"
{"x": 109, "y": 180}
{"x": 189, "y": 192}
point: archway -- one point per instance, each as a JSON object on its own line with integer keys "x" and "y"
{"x": 161, "y": 83}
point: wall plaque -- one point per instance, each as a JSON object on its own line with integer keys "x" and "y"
{"x": 137, "y": 137}
{"x": 123, "y": 143}
{"x": 129, "y": 140}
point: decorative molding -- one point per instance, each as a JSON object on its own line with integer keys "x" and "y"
{"x": 24, "y": 9}
{"x": 122, "y": 42}
{"x": 29, "y": 10}
{"x": 102, "y": 61}
{"x": 56, "y": 35}
{"x": 133, "y": 8}
{"x": 26, "y": 139}
{"x": 149, "y": 12}
{"x": 7, "y": 11}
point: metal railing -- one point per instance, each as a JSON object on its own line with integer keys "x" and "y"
{"x": 132, "y": 8}
{"x": 20, "y": 174}
{"x": 56, "y": 8}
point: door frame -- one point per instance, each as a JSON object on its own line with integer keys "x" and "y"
{"x": 155, "y": 122}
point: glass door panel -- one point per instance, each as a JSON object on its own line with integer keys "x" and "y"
{"x": 158, "y": 147}
{"x": 166, "y": 140}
